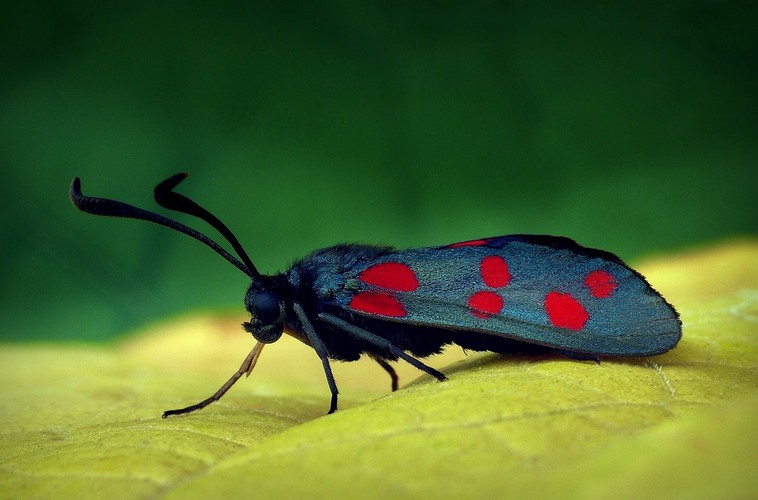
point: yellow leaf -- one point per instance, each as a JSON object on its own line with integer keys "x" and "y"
{"x": 85, "y": 420}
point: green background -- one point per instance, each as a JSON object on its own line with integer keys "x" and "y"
{"x": 631, "y": 128}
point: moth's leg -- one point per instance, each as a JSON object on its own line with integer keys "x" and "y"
{"x": 246, "y": 368}
{"x": 379, "y": 342}
{"x": 389, "y": 369}
{"x": 320, "y": 348}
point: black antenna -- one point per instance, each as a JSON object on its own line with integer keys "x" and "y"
{"x": 166, "y": 197}
{"x": 113, "y": 208}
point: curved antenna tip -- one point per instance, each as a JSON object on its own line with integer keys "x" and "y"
{"x": 75, "y": 192}
{"x": 174, "y": 180}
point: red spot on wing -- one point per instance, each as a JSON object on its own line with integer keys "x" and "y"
{"x": 472, "y": 243}
{"x": 495, "y": 271}
{"x": 390, "y": 275}
{"x": 601, "y": 284}
{"x": 378, "y": 303}
{"x": 565, "y": 311}
{"x": 484, "y": 304}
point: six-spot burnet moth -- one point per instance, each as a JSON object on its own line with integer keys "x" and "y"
{"x": 517, "y": 293}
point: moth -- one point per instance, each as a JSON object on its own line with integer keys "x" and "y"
{"x": 503, "y": 294}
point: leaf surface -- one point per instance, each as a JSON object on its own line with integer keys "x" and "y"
{"x": 85, "y": 420}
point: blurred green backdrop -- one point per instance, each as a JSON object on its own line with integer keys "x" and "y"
{"x": 632, "y": 128}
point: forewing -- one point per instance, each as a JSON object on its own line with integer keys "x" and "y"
{"x": 538, "y": 289}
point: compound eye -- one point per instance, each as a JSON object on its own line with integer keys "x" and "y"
{"x": 266, "y": 308}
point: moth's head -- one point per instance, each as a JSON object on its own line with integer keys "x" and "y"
{"x": 266, "y": 309}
